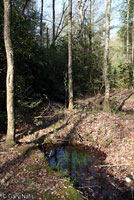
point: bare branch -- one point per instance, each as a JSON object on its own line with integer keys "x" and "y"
{"x": 24, "y": 7}
{"x": 61, "y": 22}
{"x": 60, "y": 31}
{"x": 63, "y": 12}
{"x": 80, "y": 11}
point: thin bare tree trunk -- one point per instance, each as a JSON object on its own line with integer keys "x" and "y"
{"x": 83, "y": 30}
{"x": 128, "y": 42}
{"x": 41, "y": 17}
{"x": 82, "y": 23}
{"x": 53, "y": 22}
{"x": 128, "y": 56}
{"x": 70, "y": 79}
{"x": 90, "y": 31}
{"x": 133, "y": 41}
{"x": 81, "y": 13}
{"x": 47, "y": 37}
{"x": 10, "y": 74}
{"x": 133, "y": 46}
{"x": 93, "y": 23}
{"x": 106, "y": 106}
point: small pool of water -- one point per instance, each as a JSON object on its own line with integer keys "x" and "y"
{"x": 82, "y": 168}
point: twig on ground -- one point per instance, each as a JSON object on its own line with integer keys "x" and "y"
{"x": 115, "y": 165}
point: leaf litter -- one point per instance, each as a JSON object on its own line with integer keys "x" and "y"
{"x": 88, "y": 126}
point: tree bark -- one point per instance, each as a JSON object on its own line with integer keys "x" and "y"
{"x": 128, "y": 42}
{"x": 106, "y": 106}
{"x": 133, "y": 45}
{"x": 53, "y": 22}
{"x": 90, "y": 30}
{"x": 41, "y": 17}
{"x": 83, "y": 30}
{"x": 70, "y": 79}
{"x": 10, "y": 74}
{"x": 81, "y": 13}
{"x": 47, "y": 37}
{"x": 128, "y": 57}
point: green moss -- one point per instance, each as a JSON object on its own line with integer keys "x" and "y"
{"x": 22, "y": 149}
{"x": 10, "y": 144}
{"x": 70, "y": 193}
{"x": 50, "y": 141}
{"x": 33, "y": 168}
{"x": 49, "y": 170}
{"x": 29, "y": 182}
{"x": 43, "y": 159}
{"x": 47, "y": 196}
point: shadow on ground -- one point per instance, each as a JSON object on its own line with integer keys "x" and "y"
{"x": 40, "y": 124}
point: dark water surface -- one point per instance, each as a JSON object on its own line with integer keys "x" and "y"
{"x": 82, "y": 167}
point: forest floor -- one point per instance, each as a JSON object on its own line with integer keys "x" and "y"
{"x": 22, "y": 167}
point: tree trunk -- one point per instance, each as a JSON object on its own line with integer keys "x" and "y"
{"x": 106, "y": 106}
{"x": 133, "y": 46}
{"x": 10, "y": 74}
{"x": 53, "y": 22}
{"x": 81, "y": 16}
{"x": 128, "y": 58}
{"x": 128, "y": 42}
{"x": 90, "y": 30}
{"x": 47, "y": 37}
{"x": 83, "y": 30}
{"x": 70, "y": 80}
{"x": 41, "y": 16}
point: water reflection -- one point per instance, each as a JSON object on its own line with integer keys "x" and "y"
{"x": 82, "y": 168}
